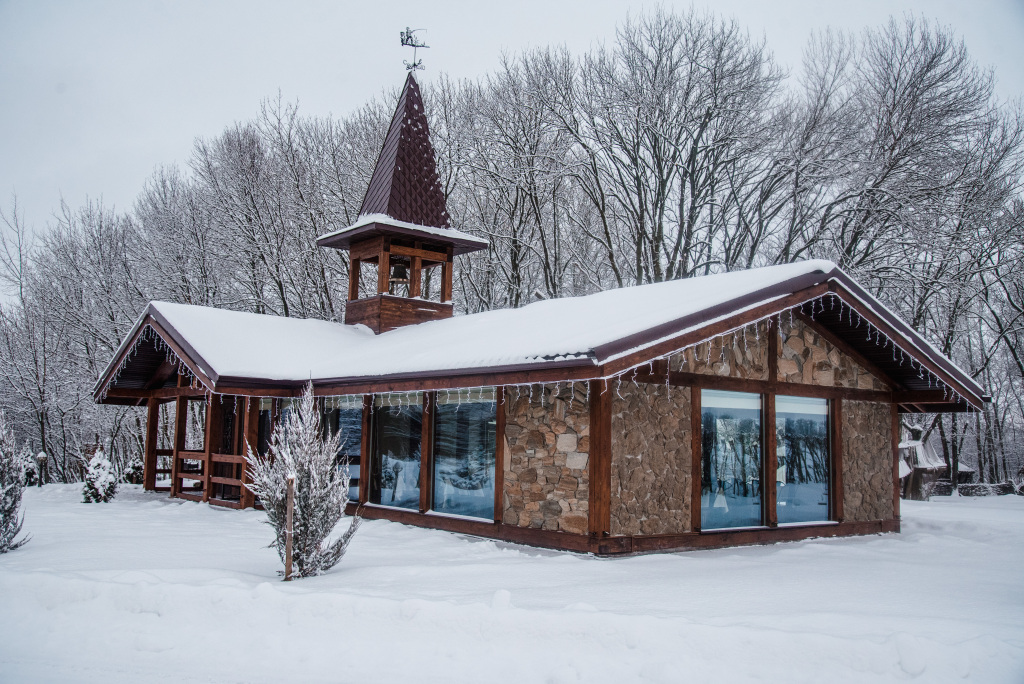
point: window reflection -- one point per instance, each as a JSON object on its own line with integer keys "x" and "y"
{"x": 464, "y": 448}
{"x": 345, "y": 414}
{"x": 802, "y": 451}
{"x": 397, "y": 431}
{"x": 731, "y": 459}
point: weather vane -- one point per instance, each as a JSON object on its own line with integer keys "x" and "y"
{"x": 409, "y": 40}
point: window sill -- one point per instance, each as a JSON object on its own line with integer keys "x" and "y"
{"x": 816, "y": 523}
{"x": 456, "y": 516}
{"x": 719, "y": 530}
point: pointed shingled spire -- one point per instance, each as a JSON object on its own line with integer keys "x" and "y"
{"x": 405, "y": 185}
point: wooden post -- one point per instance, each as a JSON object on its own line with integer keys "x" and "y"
{"x": 290, "y": 507}
{"x": 415, "y": 276}
{"x": 446, "y": 278}
{"x": 250, "y": 432}
{"x": 180, "y": 426}
{"x": 384, "y": 267}
{"x": 427, "y": 453}
{"x": 212, "y": 438}
{"x": 353, "y": 279}
{"x": 771, "y": 462}
{"x": 696, "y": 454}
{"x": 599, "y": 504}
{"x": 837, "y": 460}
{"x": 149, "y": 465}
{"x": 499, "y": 455}
{"x": 365, "y": 462}
{"x": 896, "y": 464}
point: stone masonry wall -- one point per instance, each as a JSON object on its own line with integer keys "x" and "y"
{"x": 808, "y": 358}
{"x": 742, "y": 354}
{"x": 651, "y": 460}
{"x": 547, "y": 444}
{"x": 867, "y": 461}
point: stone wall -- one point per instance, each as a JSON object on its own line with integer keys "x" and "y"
{"x": 651, "y": 460}
{"x": 808, "y": 358}
{"x": 547, "y": 442}
{"x": 742, "y": 354}
{"x": 867, "y": 461}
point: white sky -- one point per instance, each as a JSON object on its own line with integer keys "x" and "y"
{"x": 94, "y": 96}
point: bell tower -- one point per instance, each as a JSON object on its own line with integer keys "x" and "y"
{"x": 403, "y": 229}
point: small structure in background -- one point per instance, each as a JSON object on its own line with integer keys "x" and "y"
{"x": 923, "y": 473}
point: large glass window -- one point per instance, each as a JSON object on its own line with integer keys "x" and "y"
{"x": 802, "y": 451}
{"x": 731, "y": 460}
{"x": 397, "y": 433}
{"x": 345, "y": 414}
{"x": 464, "y": 444}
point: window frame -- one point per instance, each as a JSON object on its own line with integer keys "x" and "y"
{"x": 769, "y": 461}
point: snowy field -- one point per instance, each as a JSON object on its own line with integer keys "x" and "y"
{"x": 145, "y": 589}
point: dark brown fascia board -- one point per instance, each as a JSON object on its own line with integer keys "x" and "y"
{"x": 892, "y": 326}
{"x": 182, "y": 349}
{"x": 343, "y": 240}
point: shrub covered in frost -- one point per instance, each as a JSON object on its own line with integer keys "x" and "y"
{"x": 298, "y": 447}
{"x": 29, "y": 467}
{"x": 100, "y": 483}
{"x": 12, "y": 484}
{"x": 133, "y": 472}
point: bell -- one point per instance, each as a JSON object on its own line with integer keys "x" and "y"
{"x": 399, "y": 274}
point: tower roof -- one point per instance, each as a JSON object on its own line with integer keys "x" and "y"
{"x": 405, "y": 185}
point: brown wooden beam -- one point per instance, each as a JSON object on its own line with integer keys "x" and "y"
{"x": 427, "y": 452}
{"x": 681, "y": 379}
{"x": 696, "y": 454}
{"x": 499, "y": 456}
{"x": 896, "y": 464}
{"x": 364, "y": 451}
{"x": 157, "y": 393}
{"x": 771, "y": 461}
{"x": 836, "y": 496}
{"x": 250, "y": 431}
{"x": 149, "y": 463}
{"x": 180, "y": 426}
{"x": 600, "y": 458}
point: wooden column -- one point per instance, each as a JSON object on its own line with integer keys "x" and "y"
{"x": 600, "y": 458}
{"x": 427, "y": 452}
{"x": 499, "y": 455}
{"x": 384, "y": 267}
{"x": 211, "y": 438}
{"x": 896, "y": 464}
{"x": 836, "y": 495}
{"x": 364, "y": 451}
{"x": 771, "y": 461}
{"x": 250, "y": 439}
{"x": 353, "y": 279}
{"x": 152, "y": 425}
{"x": 415, "y": 276}
{"x": 773, "y": 350}
{"x": 446, "y": 278}
{"x": 696, "y": 453}
{"x": 180, "y": 426}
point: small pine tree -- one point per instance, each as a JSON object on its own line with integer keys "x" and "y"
{"x": 100, "y": 483}
{"x": 12, "y": 485}
{"x": 298, "y": 447}
{"x": 29, "y": 467}
{"x": 133, "y": 473}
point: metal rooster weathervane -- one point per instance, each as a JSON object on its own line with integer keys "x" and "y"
{"x": 409, "y": 40}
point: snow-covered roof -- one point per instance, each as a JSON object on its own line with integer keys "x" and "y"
{"x": 238, "y": 349}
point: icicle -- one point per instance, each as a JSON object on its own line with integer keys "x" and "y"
{"x": 618, "y": 387}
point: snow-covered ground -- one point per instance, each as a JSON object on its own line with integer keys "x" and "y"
{"x": 145, "y": 589}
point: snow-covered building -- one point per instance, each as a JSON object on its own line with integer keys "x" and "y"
{"x": 736, "y": 408}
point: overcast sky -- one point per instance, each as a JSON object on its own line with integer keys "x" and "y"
{"x": 95, "y": 95}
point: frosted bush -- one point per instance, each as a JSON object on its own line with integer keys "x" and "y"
{"x": 133, "y": 472}
{"x": 12, "y": 484}
{"x": 298, "y": 447}
{"x": 100, "y": 483}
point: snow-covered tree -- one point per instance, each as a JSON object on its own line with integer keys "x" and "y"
{"x": 299, "y": 447}
{"x": 100, "y": 482}
{"x": 134, "y": 471}
{"x": 12, "y": 484}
